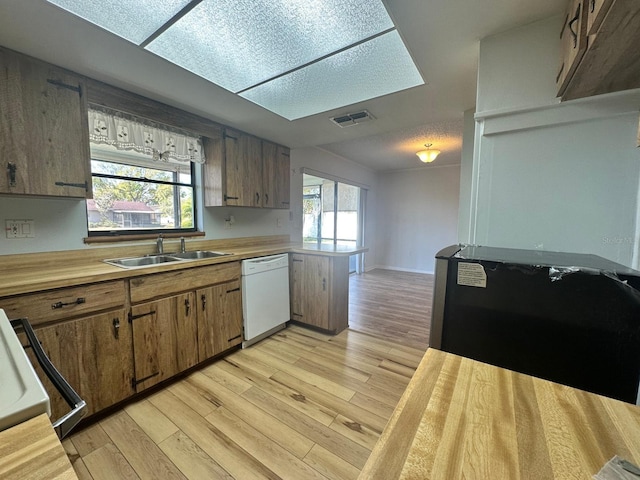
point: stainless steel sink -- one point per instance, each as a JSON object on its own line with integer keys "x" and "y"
{"x": 150, "y": 260}
{"x": 197, "y": 254}
{"x": 142, "y": 261}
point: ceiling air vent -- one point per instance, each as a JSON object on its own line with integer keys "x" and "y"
{"x": 350, "y": 119}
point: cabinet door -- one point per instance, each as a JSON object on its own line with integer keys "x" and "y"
{"x": 219, "y": 318}
{"x": 574, "y": 43}
{"x": 94, "y": 354}
{"x": 283, "y": 178}
{"x": 310, "y": 290}
{"x": 44, "y": 137}
{"x": 296, "y": 289}
{"x": 269, "y": 173}
{"x": 164, "y": 338}
{"x": 243, "y": 169}
{"x": 276, "y": 177}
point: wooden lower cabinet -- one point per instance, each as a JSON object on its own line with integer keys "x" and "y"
{"x": 94, "y": 355}
{"x": 219, "y": 318}
{"x": 320, "y": 291}
{"x": 165, "y": 339}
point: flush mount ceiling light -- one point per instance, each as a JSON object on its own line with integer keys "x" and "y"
{"x": 293, "y": 57}
{"x": 428, "y": 155}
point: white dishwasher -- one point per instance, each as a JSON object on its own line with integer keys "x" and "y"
{"x": 265, "y": 296}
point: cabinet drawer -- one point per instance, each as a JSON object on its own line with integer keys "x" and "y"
{"x": 64, "y": 303}
{"x": 169, "y": 283}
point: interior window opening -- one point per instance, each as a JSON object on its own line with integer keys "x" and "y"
{"x": 333, "y": 215}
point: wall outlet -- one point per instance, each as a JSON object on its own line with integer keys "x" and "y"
{"x": 20, "y": 228}
{"x": 279, "y": 222}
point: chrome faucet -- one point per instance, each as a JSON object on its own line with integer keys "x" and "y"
{"x": 183, "y": 247}
{"x": 160, "y": 244}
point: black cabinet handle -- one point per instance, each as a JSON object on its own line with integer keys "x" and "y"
{"x": 324, "y": 284}
{"x": 11, "y": 171}
{"x": 571, "y": 22}
{"x": 257, "y": 198}
{"x": 227, "y": 197}
{"x": 84, "y": 185}
{"x": 187, "y": 307}
{"x": 116, "y": 328}
{"x": 58, "y": 83}
{"x": 78, "y": 301}
{"x": 133, "y": 317}
{"x": 203, "y": 298}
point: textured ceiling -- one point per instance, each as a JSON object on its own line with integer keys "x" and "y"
{"x": 441, "y": 35}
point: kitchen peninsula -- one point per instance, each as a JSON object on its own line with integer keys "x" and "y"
{"x": 460, "y": 418}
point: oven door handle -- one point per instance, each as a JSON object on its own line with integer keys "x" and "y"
{"x": 64, "y": 424}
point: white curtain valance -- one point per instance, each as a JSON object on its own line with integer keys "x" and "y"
{"x": 158, "y": 141}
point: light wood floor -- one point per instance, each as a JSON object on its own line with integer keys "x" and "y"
{"x": 297, "y": 405}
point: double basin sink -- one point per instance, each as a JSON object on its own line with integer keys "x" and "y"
{"x": 149, "y": 260}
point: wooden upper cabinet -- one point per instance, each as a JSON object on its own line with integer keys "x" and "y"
{"x": 44, "y": 136}
{"x": 275, "y": 175}
{"x": 245, "y": 171}
{"x": 611, "y": 62}
{"x": 243, "y": 155}
{"x": 573, "y": 36}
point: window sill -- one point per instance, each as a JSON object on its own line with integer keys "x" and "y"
{"x": 143, "y": 236}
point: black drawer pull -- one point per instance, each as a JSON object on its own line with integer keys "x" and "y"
{"x": 234, "y": 290}
{"x": 78, "y": 301}
{"x": 133, "y": 317}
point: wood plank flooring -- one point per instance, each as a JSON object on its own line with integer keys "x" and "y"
{"x": 298, "y": 405}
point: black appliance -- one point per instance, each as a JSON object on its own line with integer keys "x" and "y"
{"x": 565, "y": 317}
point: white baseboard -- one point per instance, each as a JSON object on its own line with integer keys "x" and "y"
{"x": 398, "y": 269}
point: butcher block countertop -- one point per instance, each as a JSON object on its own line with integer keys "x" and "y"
{"x": 27, "y": 273}
{"x": 31, "y": 450}
{"x": 460, "y": 418}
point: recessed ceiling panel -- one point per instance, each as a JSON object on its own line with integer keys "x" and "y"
{"x": 239, "y": 43}
{"x": 134, "y": 20}
{"x": 371, "y": 69}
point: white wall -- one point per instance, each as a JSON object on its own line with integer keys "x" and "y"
{"x": 518, "y": 68}
{"x": 549, "y": 175}
{"x": 417, "y": 216}
{"x": 466, "y": 175}
{"x": 61, "y": 224}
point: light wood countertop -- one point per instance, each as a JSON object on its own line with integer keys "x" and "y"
{"x": 28, "y": 273}
{"x": 460, "y": 418}
{"x": 31, "y": 450}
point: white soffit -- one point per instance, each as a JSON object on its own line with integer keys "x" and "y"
{"x": 293, "y": 57}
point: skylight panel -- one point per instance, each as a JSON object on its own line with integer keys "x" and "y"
{"x": 239, "y": 43}
{"x": 371, "y": 69}
{"x": 133, "y": 20}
